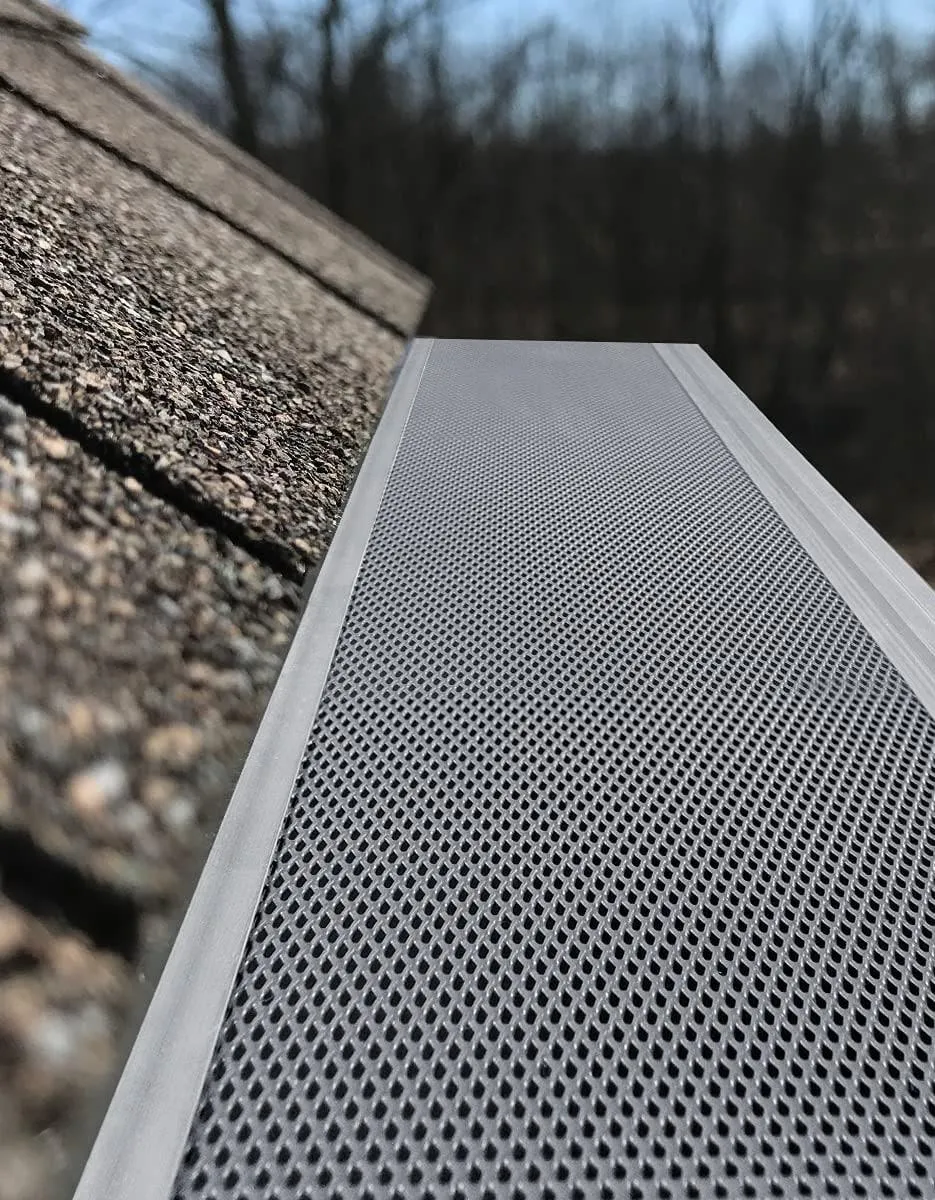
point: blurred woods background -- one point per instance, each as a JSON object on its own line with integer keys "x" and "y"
{"x": 773, "y": 204}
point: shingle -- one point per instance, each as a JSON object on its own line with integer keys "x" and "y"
{"x": 60, "y": 1021}
{"x": 181, "y": 342}
{"x": 120, "y": 617}
{"x": 36, "y": 15}
{"x": 136, "y": 652}
{"x": 62, "y": 77}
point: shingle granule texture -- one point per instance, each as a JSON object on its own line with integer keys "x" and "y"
{"x": 111, "y": 599}
{"x": 179, "y": 340}
{"x": 59, "y": 78}
{"x": 61, "y": 1010}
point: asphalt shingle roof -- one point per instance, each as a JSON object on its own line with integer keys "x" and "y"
{"x": 119, "y": 616}
{"x": 56, "y": 73}
{"x": 183, "y": 343}
{"x": 192, "y": 358}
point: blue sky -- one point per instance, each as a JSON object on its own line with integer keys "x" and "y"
{"x": 747, "y": 18}
{"x": 158, "y": 26}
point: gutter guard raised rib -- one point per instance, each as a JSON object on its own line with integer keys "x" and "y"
{"x": 586, "y": 846}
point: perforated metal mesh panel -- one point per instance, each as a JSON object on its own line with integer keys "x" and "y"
{"x": 608, "y": 871}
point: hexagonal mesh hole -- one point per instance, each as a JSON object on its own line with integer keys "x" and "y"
{"x": 608, "y": 871}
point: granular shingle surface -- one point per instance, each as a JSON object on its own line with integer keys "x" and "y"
{"x": 135, "y": 651}
{"x": 61, "y": 1008}
{"x": 51, "y": 74}
{"x": 164, "y": 330}
{"x": 119, "y": 616}
{"x": 192, "y": 358}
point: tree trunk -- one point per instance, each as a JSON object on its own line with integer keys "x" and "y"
{"x": 333, "y": 111}
{"x": 244, "y": 128}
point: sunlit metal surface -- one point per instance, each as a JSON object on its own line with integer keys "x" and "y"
{"x": 607, "y": 868}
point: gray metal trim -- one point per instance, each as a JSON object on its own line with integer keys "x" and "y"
{"x": 892, "y": 601}
{"x": 138, "y": 1148}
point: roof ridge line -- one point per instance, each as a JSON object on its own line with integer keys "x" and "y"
{"x": 53, "y": 18}
{"x": 357, "y": 305}
{"x": 220, "y": 147}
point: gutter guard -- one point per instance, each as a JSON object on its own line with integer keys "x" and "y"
{"x": 586, "y": 845}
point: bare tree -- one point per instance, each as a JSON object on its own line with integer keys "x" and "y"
{"x": 661, "y": 189}
{"x": 715, "y": 268}
{"x": 244, "y": 129}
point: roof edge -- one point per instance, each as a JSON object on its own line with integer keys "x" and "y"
{"x": 214, "y": 142}
{"x": 50, "y": 16}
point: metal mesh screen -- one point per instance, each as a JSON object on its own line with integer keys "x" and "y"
{"x": 608, "y": 872}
